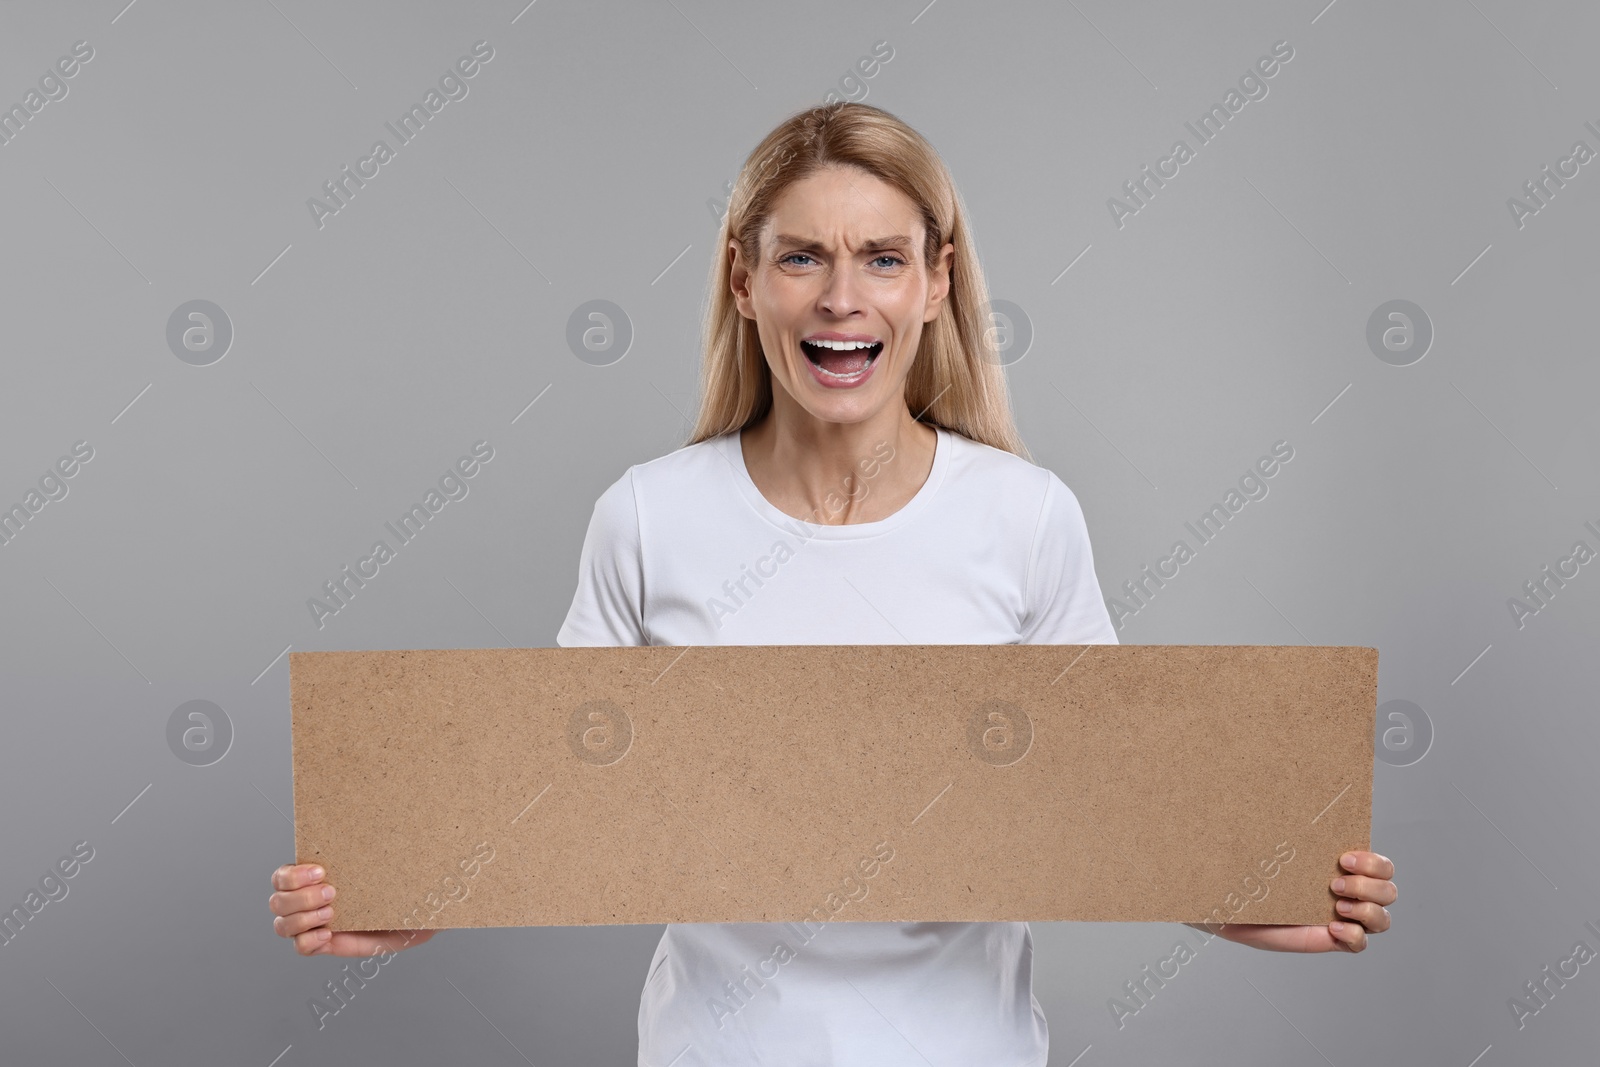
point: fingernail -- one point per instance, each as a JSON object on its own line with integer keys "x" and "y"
{"x": 1338, "y": 885}
{"x": 1348, "y": 859}
{"x": 1343, "y": 905}
{"x": 323, "y": 935}
{"x": 1339, "y": 928}
{"x": 327, "y": 892}
{"x": 317, "y": 874}
{"x": 323, "y": 913}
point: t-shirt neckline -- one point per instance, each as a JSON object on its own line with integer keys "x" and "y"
{"x": 740, "y": 474}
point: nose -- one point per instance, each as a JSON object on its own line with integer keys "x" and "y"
{"x": 838, "y": 295}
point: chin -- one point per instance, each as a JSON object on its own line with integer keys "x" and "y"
{"x": 844, "y": 414}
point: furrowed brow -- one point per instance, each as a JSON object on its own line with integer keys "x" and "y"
{"x": 877, "y": 243}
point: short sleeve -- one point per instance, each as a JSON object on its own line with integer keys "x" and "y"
{"x": 1064, "y": 605}
{"x": 607, "y": 608}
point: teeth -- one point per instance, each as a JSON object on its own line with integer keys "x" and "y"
{"x": 843, "y": 346}
{"x": 841, "y": 377}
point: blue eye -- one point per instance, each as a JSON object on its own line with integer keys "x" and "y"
{"x": 893, "y": 260}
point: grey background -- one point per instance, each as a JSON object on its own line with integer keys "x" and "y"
{"x": 1229, "y": 313}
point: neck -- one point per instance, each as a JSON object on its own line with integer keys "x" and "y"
{"x": 836, "y": 473}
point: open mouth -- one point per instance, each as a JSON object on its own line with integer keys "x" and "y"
{"x": 841, "y": 362}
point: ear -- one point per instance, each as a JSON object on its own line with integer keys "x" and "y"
{"x": 739, "y": 280}
{"x": 939, "y": 288}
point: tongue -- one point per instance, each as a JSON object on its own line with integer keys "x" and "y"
{"x": 846, "y": 363}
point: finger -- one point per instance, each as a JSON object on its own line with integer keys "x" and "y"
{"x": 300, "y": 922}
{"x": 1368, "y": 863}
{"x": 370, "y": 942}
{"x": 314, "y": 942}
{"x": 296, "y": 876}
{"x": 1375, "y": 917}
{"x": 308, "y": 899}
{"x": 323, "y": 942}
{"x": 1351, "y": 937}
{"x": 1361, "y": 887}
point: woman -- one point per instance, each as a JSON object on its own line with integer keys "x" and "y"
{"x": 854, "y": 477}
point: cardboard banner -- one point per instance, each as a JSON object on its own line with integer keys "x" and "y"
{"x": 774, "y": 783}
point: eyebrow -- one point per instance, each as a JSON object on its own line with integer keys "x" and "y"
{"x": 895, "y": 241}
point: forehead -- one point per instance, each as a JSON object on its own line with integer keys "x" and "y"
{"x": 843, "y": 205}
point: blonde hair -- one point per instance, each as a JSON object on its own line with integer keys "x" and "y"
{"x": 956, "y": 380}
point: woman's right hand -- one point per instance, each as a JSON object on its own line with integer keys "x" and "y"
{"x": 301, "y": 904}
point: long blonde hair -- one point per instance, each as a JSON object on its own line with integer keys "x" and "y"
{"x": 956, "y": 380}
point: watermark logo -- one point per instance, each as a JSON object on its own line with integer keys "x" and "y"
{"x": 199, "y": 333}
{"x": 52, "y": 887}
{"x": 852, "y": 87}
{"x": 338, "y": 993}
{"x": 1540, "y": 590}
{"x": 1542, "y": 189}
{"x": 737, "y": 592}
{"x": 452, "y": 87}
{"x": 1542, "y": 990}
{"x": 1399, "y": 333}
{"x": 745, "y": 986}
{"x": 451, "y": 888}
{"x": 1252, "y": 486}
{"x": 1405, "y": 733}
{"x": 452, "y": 486}
{"x": 52, "y": 486}
{"x": 52, "y": 88}
{"x": 999, "y": 733}
{"x": 853, "y": 83}
{"x": 599, "y": 732}
{"x": 1141, "y": 990}
{"x": 199, "y": 733}
{"x": 1010, "y": 333}
{"x": 1252, "y": 86}
{"x": 599, "y": 333}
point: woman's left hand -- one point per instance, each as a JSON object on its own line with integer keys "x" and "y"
{"x": 1361, "y": 894}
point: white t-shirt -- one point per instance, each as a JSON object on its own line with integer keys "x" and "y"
{"x": 684, "y": 550}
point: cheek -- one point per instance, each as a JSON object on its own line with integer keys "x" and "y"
{"x": 904, "y": 312}
{"x": 908, "y": 336}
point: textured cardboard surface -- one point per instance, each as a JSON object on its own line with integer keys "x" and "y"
{"x": 574, "y": 786}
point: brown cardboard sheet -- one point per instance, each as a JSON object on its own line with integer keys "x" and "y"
{"x": 576, "y": 786}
